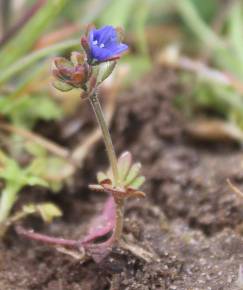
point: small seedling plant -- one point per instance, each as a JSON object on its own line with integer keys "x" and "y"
{"x": 86, "y": 70}
{"x": 15, "y": 178}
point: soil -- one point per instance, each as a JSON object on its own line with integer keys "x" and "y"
{"x": 190, "y": 221}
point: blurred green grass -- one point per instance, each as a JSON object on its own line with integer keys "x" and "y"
{"x": 207, "y": 30}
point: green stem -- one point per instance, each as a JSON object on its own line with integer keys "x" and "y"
{"x": 8, "y": 197}
{"x": 106, "y": 135}
{"x": 119, "y": 218}
{"x": 113, "y": 162}
{"x": 7, "y": 222}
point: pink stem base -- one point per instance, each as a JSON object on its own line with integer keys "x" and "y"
{"x": 30, "y": 234}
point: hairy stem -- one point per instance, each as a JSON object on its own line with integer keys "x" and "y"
{"x": 106, "y": 135}
{"x": 119, "y": 219}
{"x": 113, "y": 162}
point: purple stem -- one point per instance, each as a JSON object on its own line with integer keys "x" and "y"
{"x": 102, "y": 225}
{"x": 30, "y": 234}
{"x": 23, "y": 20}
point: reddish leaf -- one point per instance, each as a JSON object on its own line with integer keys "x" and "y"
{"x": 98, "y": 241}
{"x": 101, "y": 227}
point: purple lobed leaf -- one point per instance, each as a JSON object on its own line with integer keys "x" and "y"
{"x": 101, "y": 226}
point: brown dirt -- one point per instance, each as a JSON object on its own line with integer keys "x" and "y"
{"x": 190, "y": 220}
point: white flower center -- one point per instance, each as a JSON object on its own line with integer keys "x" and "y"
{"x": 95, "y": 42}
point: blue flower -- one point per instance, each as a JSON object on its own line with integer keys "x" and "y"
{"x": 104, "y": 44}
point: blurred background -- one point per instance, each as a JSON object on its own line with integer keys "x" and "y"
{"x": 204, "y": 38}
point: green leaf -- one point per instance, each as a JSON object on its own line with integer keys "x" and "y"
{"x": 133, "y": 172}
{"x": 11, "y": 171}
{"x": 35, "y": 180}
{"x": 27, "y": 110}
{"x": 44, "y": 108}
{"x": 15, "y": 178}
{"x": 49, "y": 211}
{"x": 124, "y": 163}
{"x": 138, "y": 182}
{"x": 29, "y": 208}
{"x": 105, "y": 70}
{"x": 101, "y": 176}
{"x": 61, "y": 86}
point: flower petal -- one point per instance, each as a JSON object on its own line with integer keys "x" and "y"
{"x": 118, "y": 49}
{"x": 104, "y": 44}
{"x": 91, "y": 37}
{"x": 100, "y": 54}
{"x": 107, "y": 35}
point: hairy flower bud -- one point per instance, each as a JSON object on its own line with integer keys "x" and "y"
{"x": 70, "y": 74}
{"x": 85, "y": 45}
{"x": 77, "y": 58}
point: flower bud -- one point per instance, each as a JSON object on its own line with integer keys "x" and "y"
{"x": 85, "y": 45}
{"x": 70, "y": 74}
{"x": 77, "y": 58}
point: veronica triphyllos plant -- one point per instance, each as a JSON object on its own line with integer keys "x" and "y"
{"x": 86, "y": 70}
